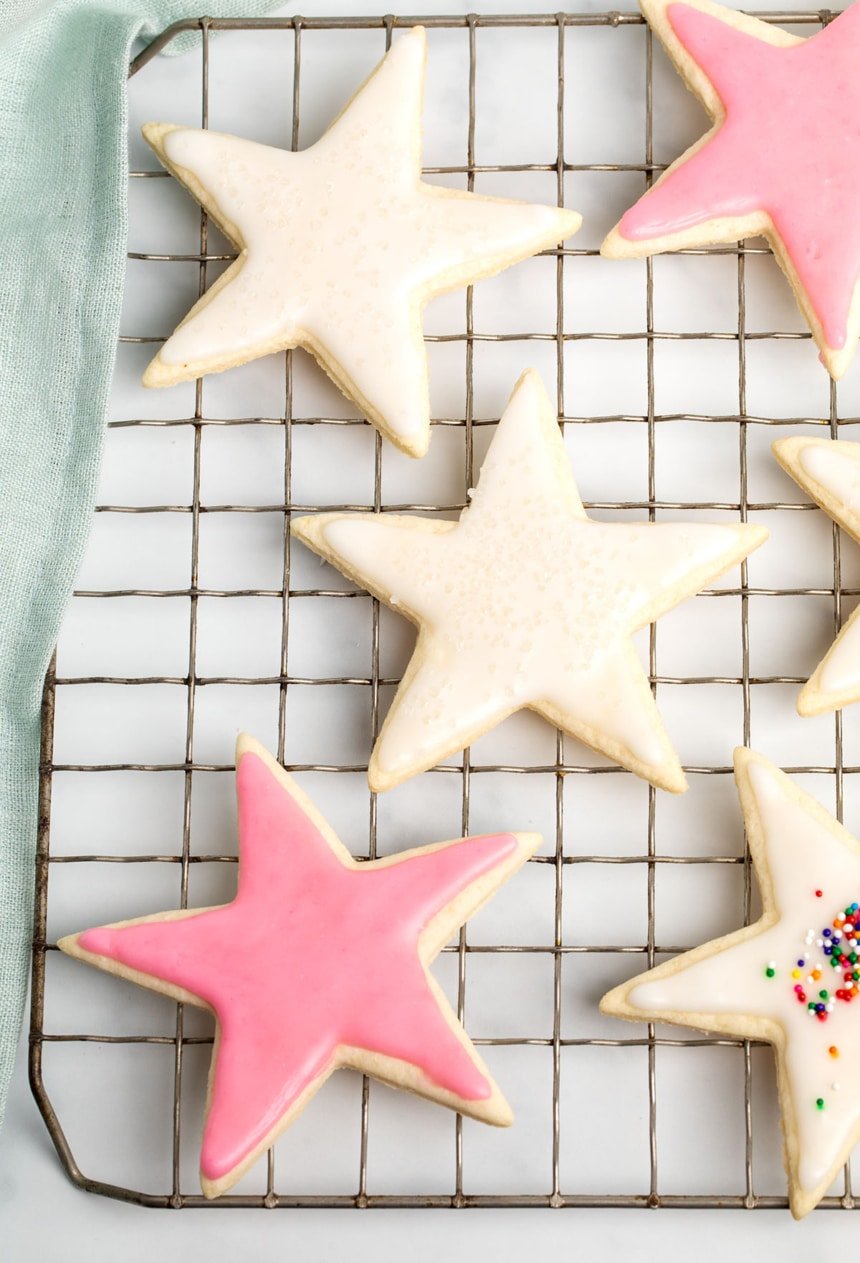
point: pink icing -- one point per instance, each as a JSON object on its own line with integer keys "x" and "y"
{"x": 789, "y": 145}
{"x": 310, "y": 955}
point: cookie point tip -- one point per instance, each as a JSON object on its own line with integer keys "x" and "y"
{"x": 416, "y": 447}
{"x": 616, "y": 246}
{"x": 154, "y": 133}
{"x": 245, "y": 744}
{"x": 304, "y": 527}
{"x": 674, "y": 781}
{"x": 504, "y": 1116}
{"x": 786, "y": 448}
{"x": 756, "y": 532}
{"x": 529, "y": 377}
{"x": 614, "y": 1003}
{"x": 377, "y": 784}
{"x": 529, "y": 842}
{"x": 154, "y": 375}
{"x": 742, "y": 757}
{"x": 809, "y": 702}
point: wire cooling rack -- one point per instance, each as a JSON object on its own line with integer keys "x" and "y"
{"x": 566, "y": 767}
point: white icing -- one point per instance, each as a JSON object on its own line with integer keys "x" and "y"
{"x": 803, "y": 854}
{"x": 836, "y": 467}
{"x": 527, "y": 602}
{"x": 345, "y": 243}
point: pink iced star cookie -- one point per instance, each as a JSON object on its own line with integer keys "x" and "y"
{"x": 781, "y": 160}
{"x": 319, "y": 962}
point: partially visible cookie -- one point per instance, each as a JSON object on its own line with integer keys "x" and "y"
{"x": 525, "y": 602}
{"x": 792, "y": 978}
{"x": 782, "y": 158}
{"x": 341, "y": 246}
{"x": 319, "y": 962}
{"x": 828, "y": 470}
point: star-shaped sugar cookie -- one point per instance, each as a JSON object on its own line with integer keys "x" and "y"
{"x": 828, "y": 470}
{"x": 790, "y": 979}
{"x": 341, "y": 246}
{"x": 525, "y": 602}
{"x": 782, "y": 158}
{"x": 319, "y": 962}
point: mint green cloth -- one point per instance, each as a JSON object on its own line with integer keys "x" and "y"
{"x": 63, "y": 194}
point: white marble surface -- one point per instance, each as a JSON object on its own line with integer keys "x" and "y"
{"x": 116, "y": 1103}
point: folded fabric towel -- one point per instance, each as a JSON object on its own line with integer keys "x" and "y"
{"x": 63, "y": 194}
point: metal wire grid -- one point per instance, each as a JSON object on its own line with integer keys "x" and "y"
{"x": 561, "y": 768}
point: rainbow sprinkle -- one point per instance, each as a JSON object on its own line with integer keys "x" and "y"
{"x": 840, "y": 944}
{"x": 836, "y": 945}
{"x": 840, "y": 941}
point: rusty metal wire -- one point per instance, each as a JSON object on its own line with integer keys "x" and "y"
{"x": 286, "y": 594}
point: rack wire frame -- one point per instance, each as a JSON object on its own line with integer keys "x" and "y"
{"x": 561, "y": 768}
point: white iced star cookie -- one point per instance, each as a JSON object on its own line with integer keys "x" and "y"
{"x": 341, "y": 246}
{"x": 828, "y": 470}
{"x": 791, "y": 978}
{"x": 525, "y": 602}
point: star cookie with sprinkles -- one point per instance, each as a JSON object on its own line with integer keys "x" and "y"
{"x": 319, "y": 962}
{"x": 782, "y": 158}
{"x": 525, "y": 602}
{"x": 828, "y": 470}
{"x": 791, "y": 979}
{"x": 341, "y": 246}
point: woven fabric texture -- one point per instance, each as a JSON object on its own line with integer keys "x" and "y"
{"x": 63, "y": 219}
